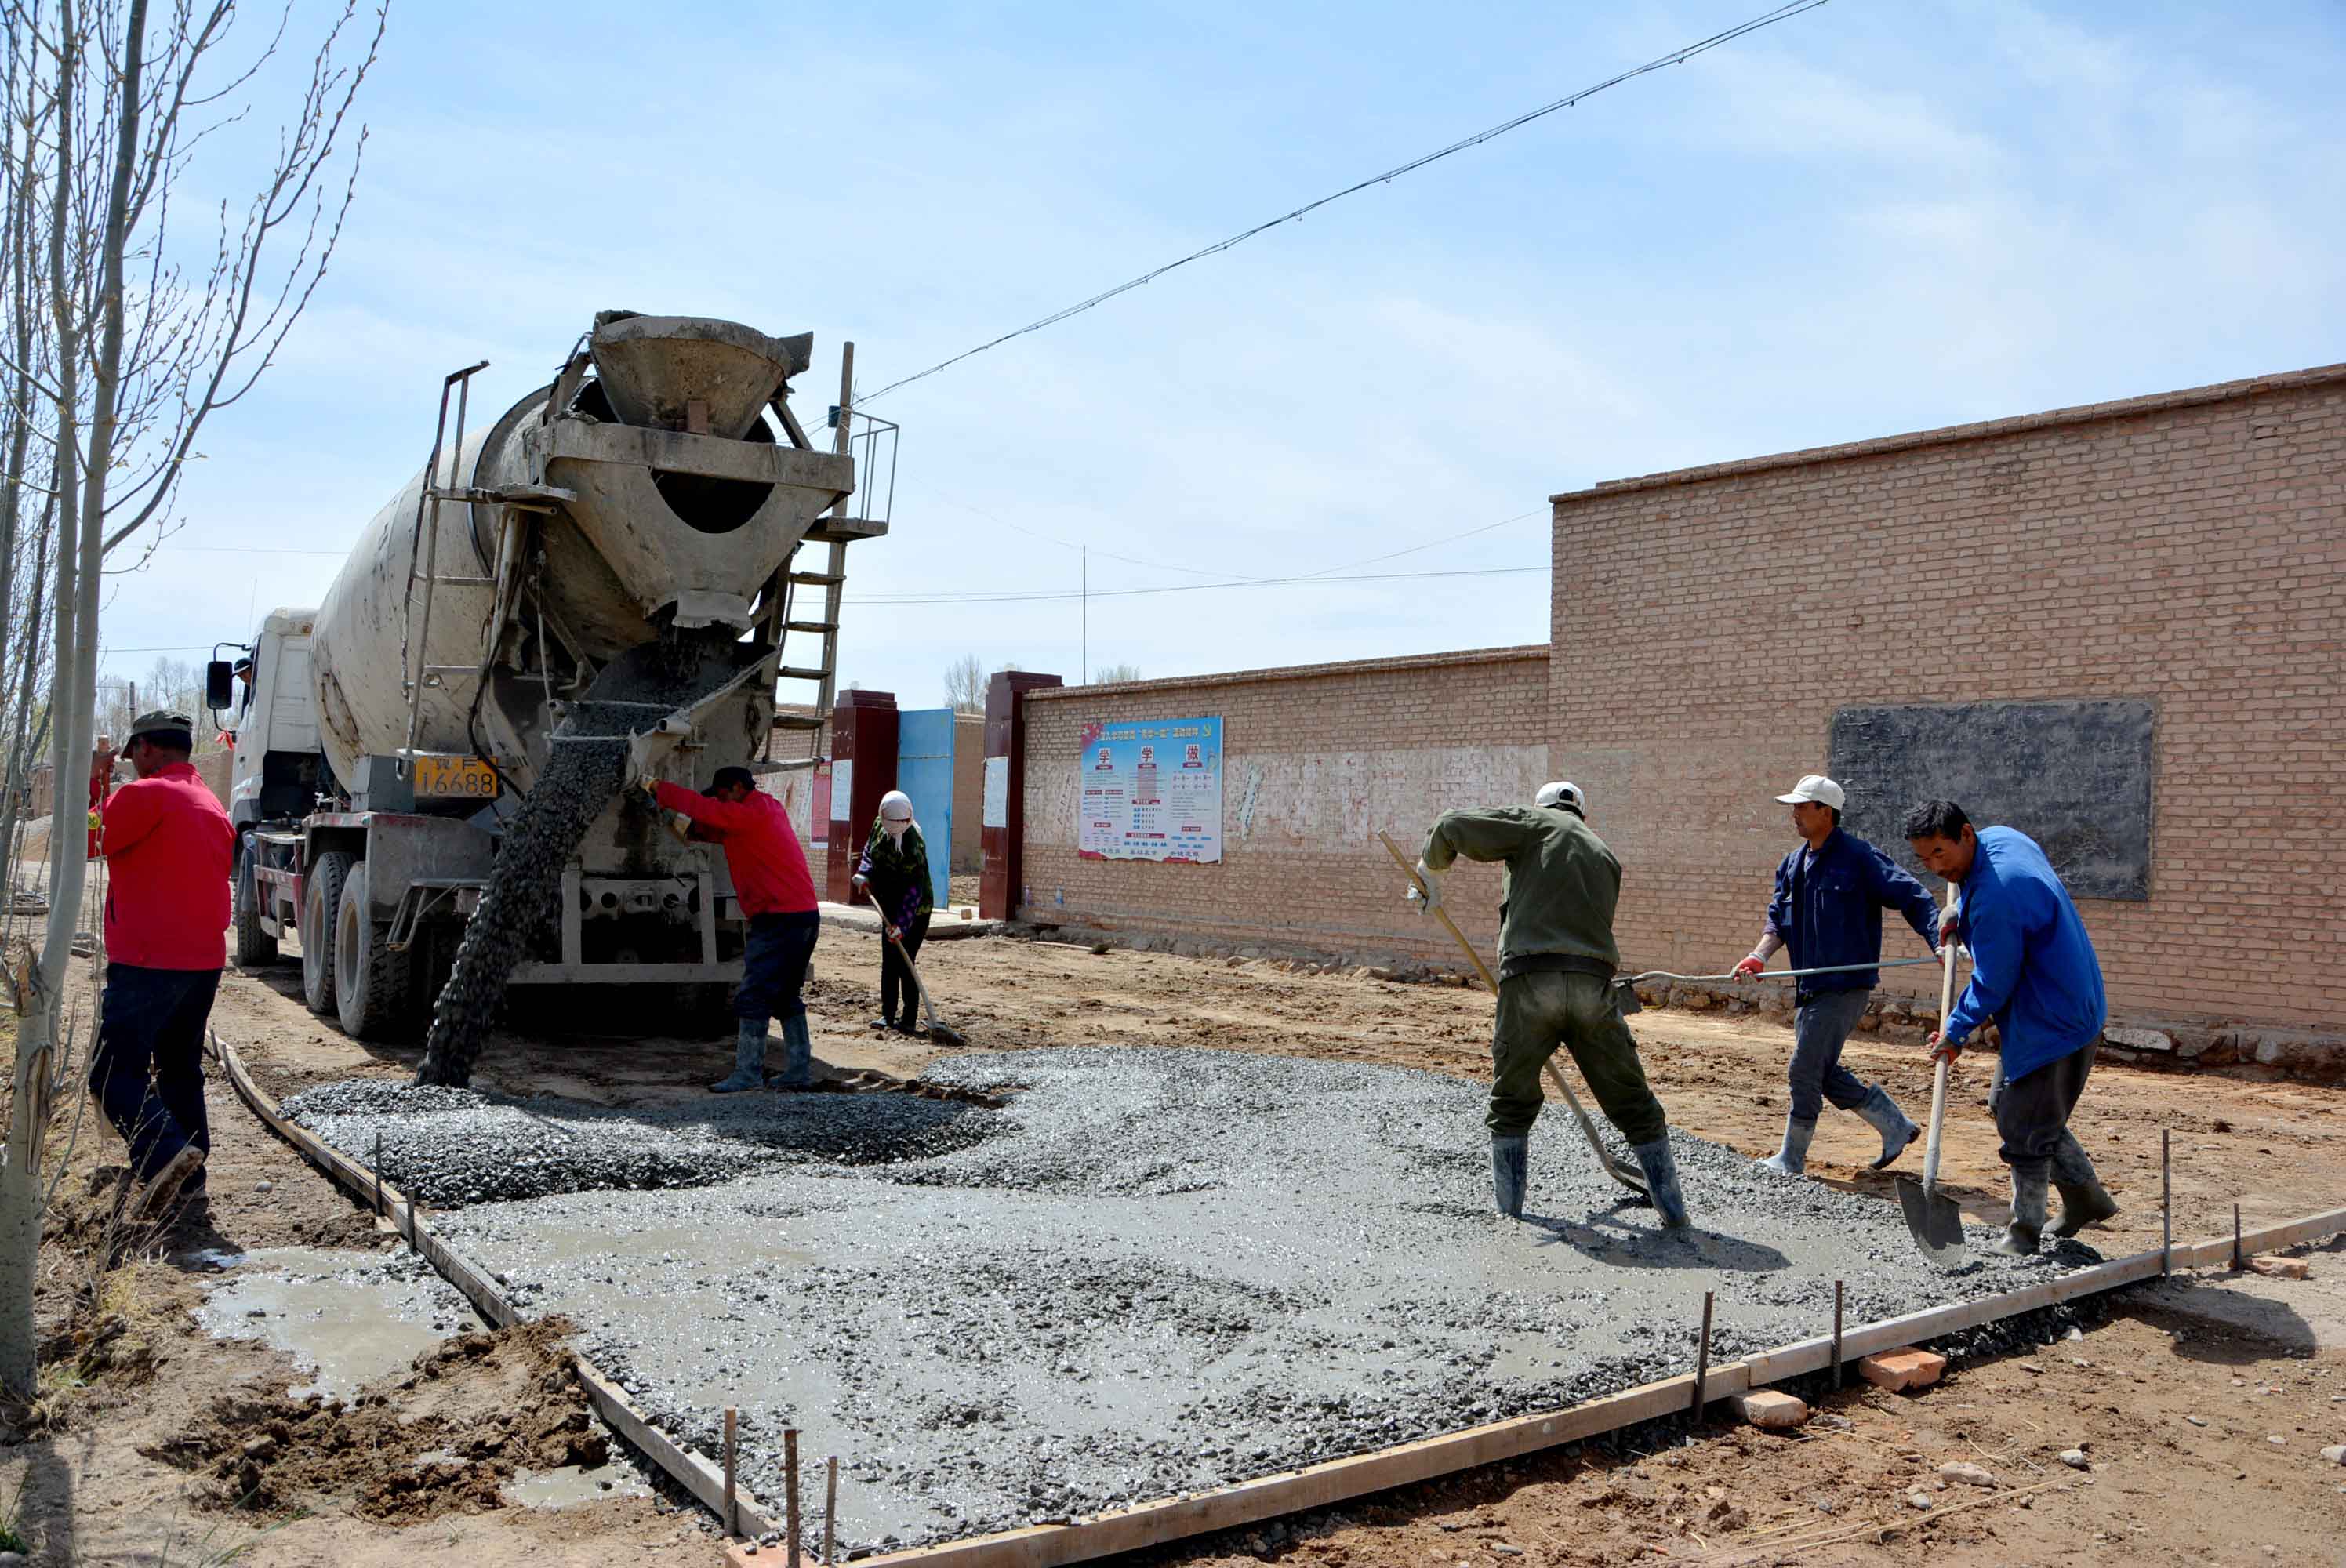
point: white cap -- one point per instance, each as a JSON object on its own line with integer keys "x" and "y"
{"x": 896, "y": 806}
{"x": 1564, "y": 793}
{"x": 1815, "y": 787}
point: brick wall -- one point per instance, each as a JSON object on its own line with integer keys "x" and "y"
{"x": 2189, "y": 548}
{"x": 1316, "y": 759}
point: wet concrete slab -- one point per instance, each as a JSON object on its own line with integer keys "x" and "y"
{"x": 346, "y": 1317}
{"x": 1153, "y": 1272}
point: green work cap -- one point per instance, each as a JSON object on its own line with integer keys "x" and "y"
{"x": 162, "y": 723}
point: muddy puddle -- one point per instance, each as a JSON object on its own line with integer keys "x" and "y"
{"x": 346, "y": 1317}
{"x": 573, "y": 1484}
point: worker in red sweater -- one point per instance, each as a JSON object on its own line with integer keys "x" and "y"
{"x": 168, "y": 843}
{"x": 777, "y": 898}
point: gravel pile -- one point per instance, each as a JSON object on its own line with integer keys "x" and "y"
{"x": 451, "y": 1147}
{"x": 1164, "y": 1271}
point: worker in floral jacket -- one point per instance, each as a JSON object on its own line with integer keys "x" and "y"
{"x": 894, "y": 871}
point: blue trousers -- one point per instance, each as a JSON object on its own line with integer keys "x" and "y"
{"x": 1820, "y": 1029}
{"x": 774, "y": 967}
{"x": 147, "y": 1073}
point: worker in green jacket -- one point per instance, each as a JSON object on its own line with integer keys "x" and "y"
{"x": 1556, "y": 960}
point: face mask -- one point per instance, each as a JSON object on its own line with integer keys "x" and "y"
{"x": 896, "y": 830}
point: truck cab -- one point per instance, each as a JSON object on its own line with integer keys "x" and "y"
{"x": 273, "y": 774}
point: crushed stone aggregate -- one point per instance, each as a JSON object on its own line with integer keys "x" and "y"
{"x": 1151, "y": 1272}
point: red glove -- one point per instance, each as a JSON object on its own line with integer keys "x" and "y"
{"x": 1752, "y": 964}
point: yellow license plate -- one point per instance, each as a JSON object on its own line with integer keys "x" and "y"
{"x": 442, "y": 778}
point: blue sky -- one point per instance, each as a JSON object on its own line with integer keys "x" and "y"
{"x": 1872, "y": 217}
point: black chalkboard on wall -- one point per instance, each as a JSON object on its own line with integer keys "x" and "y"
{"x": 2074, "y": 775}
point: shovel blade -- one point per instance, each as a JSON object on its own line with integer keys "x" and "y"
{"x": 1937, "y": 1222}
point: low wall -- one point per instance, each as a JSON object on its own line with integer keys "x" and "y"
{"x": 1316, "y": 760}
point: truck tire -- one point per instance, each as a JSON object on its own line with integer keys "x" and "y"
{"x": 254, "y": 946}
{"x": 371, "y": 981}
{"x": 321, "y": 901}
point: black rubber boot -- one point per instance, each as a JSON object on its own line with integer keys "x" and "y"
{"x": 2084, "y": 1200}
{"x": 1661, "y": 1168}
{"x": 748, "y": 1059}
{"x": 2028, "y": 1226}
{"x": 1510, "y": 1163}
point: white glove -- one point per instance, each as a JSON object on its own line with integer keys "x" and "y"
{"x": 1430, "y": 900}
{"x": 646, "y": 753}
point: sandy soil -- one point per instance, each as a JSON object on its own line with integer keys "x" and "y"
{"x": 2163, "y": 1491}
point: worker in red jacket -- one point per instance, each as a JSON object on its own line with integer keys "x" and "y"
{"x": 777, "y": 898}
{"x": 168, "y": 843}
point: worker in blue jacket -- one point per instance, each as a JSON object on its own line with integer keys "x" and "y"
{"x": 2035, "y": 973}
{"x": 1826, "y": 911}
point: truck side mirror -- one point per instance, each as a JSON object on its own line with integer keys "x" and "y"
{"x": 220, "y": 686}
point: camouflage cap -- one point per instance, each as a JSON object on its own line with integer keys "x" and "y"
{"x": 160, "y": 722}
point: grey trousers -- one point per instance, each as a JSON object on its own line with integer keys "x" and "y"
{"x": 1820, "y": 1029}
{"x": 2032, "y": 1113}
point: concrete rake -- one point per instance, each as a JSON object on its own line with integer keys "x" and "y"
{"x": 1630, "y": 1179}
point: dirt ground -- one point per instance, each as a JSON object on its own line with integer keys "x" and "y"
{"x": 2175, "y": 1393}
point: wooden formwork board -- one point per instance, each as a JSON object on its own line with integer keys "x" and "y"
{"x": 694, "y": 1473}
{"x": 1289, "y": 1492}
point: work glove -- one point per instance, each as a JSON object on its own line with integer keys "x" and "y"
{"x": 1939, "y": 1047}
{"x": 1425, "y": 894}
{"x": 859, "y": 882}
{"x": 1949, "y": 918}
{"x": 646, "y": 753}
{"x": 1752, "y": 964}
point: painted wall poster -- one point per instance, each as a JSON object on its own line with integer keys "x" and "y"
{"x": 1151, "y": 789}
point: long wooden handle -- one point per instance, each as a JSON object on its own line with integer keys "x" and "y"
{"x": 1587, "y": 1126}
{"x": 1939, "y": 1078}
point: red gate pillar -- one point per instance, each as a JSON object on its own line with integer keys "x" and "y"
{"x": 1001, "y": 837}
{"x": 862, "y": 769}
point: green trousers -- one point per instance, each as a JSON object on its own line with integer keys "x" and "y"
{"x": 1540, "y": 1010}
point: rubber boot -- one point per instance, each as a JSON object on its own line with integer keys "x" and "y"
{"x": 2084, "y": 1200}
{"x": 2020, "y": 1238}
{"x": 798, "y": 1055}
{"x": 1661, "y": 1170}
{"x": 1880, "y": 1113}
{"x": 748, "y": 1059}
{"x": 1792, "y": 1159}
{"x": 1510, "y": 1164}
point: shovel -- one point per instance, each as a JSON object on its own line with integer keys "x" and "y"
{"x": 938, "y": 1029}
{"x": 1930, "y": 1215}
{"x": 1629, "y": 1179}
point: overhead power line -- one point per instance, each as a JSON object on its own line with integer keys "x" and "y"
{"x": 1675, "y": 57}
{"x": 1310, "y": 582}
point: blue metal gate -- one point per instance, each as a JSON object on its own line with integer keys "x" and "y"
{"x": 924, "y": 771}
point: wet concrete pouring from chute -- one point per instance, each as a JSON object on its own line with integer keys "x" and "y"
{"x": 1142, "y": 1273}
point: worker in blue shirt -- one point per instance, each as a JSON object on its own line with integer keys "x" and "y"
{"x": 2035, "y": 973}
{"x": 1826, "y": 911}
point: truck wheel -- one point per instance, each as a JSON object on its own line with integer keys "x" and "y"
{"x": 371, "y": 981}
{"x": 254, "y": 946}
{"x": 321, "y": 901}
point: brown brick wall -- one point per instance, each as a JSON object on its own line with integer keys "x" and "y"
{"x": 2189, "y": 549}
{"x": 1315, "y": 760}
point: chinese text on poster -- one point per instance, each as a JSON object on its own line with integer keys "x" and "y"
{"x": 1151, "y": 791}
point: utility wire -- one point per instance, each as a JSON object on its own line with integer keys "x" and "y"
{"x": 1675, "y": 57}
{"x": 1018, "y": 598}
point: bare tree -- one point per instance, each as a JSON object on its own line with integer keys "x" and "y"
{"x": 965, "y": 685}
{"x": 137, "y": 353}
{"x": 1108, "y": 674}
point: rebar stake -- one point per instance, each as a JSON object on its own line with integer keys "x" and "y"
{"x": 1702, "y": 1356}
{"x": 2237, "y": 1261}
{"x": 2166, "y": 1208}
{"x": 378, "y": 1176}
{"x": 790, "y": 1485}
{"x": 732, "y": 1512}
{"x": 830, "y": 1514}
{"x": 1836, "y": 1356}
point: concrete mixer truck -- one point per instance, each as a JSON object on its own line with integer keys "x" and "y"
{"x": 621, "y": 549}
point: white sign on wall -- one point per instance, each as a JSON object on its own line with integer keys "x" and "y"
{"x": 994, "y": 811}
{"x": 1150, "y": 789}
{"x": 843, "y": 788}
